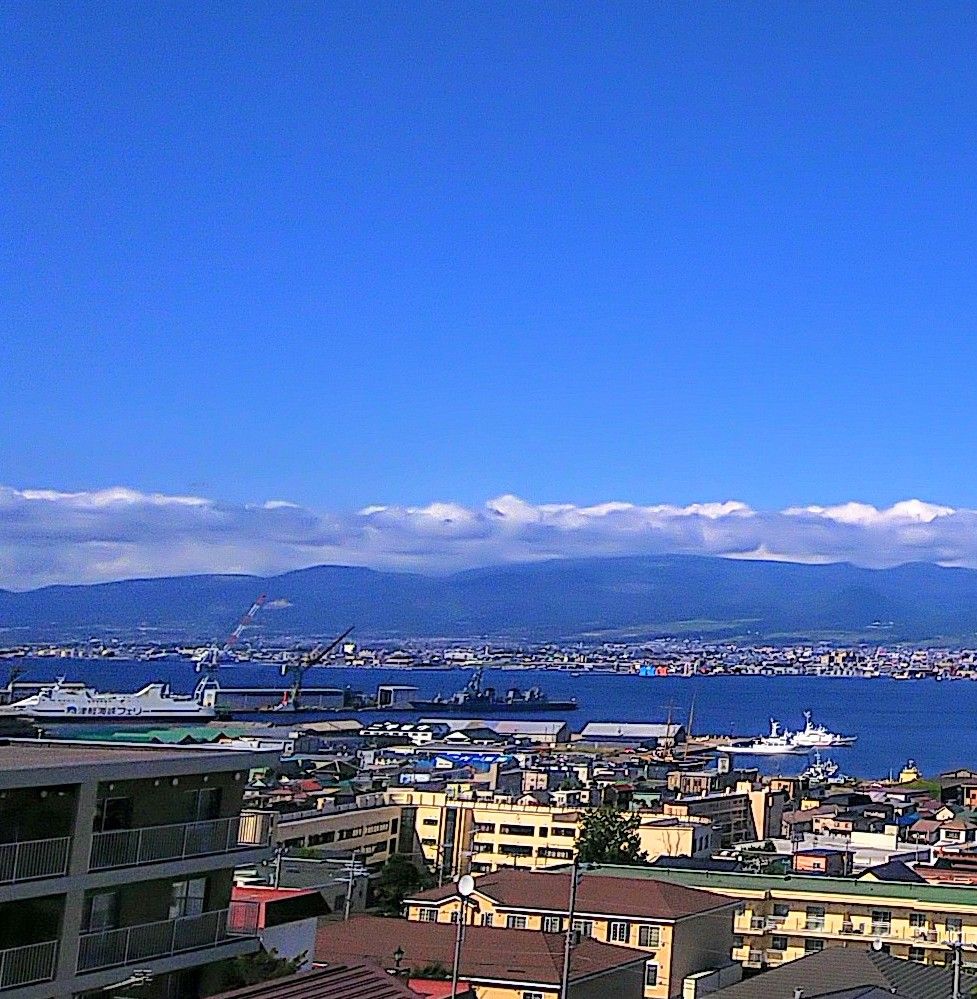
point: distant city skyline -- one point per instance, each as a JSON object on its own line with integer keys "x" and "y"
{"x": 50, "y": 537}
{"x": 350, "y": 255}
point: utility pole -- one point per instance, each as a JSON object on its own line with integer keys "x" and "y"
{"x": 466, "y": 885}
{"x": 568, "y": 937}
{"x": 349, "y": 887}
{"x": 957, "y": 954}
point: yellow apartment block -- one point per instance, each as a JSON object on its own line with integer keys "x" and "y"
{"x": 682, "y": 931}
{"x": 784, "y": 917}
{"x": 478, "y": 835}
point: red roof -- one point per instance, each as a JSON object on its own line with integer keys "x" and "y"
{"x": 596, "y": 895}
{"x": 433, "y": 988}
{"x": 489, "y": 953}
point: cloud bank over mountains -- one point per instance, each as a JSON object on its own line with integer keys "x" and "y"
{"x": 84, "y": 537}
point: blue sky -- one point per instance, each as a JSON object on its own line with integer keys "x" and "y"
{"x": 355, "y": 254}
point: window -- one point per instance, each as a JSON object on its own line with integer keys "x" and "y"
{"x": 515, "y": 922}
{"x": 429, "y": 822}
{"x": 508, "y": 830}
{"x": 543, "y": 832}
{"x": 778, "y": 943}
{"x": 585, "y": 927}
{"x": 814, "y": 917}
{"x": 187, "y": 898}
{"x": 917, "y": 954}
{"x": 568, "y": 832}
{"x": 813, "y": 946}
{"x": 486, "y": 919}
{"x": 532, "y": 995}
{"x": 781, "y": 910}
{"x": 954, "y": 925}
{"x": 516, "y": 850}
{"x": 202, "y": 805}
{"x": 649, "y": 936}
{"x": 427, "y": 915}
{"x": 484, "y": 827}
{"x": 651, "y": 973}
{"x": 738, "y": 941}
{"x": 917, "y": 920}
{"x": 454, "y": 916}
{"x": 618, "y": 932}
{"x": 881, "y": 920}
{"x": 112, "y": 814}
{"x": 101, "y": 911}
{"x": 552, "y": 924}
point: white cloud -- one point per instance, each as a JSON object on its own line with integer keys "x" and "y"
{"x": 78, "y": 537}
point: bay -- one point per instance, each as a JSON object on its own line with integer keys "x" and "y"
{"x": 928, "y": 721}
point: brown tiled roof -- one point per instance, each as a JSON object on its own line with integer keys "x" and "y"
{"x": 338, "y": 981}
{"x": 488, "y": 953}
{"x": 841, "y": 968}
{"x": 632, "y": 897}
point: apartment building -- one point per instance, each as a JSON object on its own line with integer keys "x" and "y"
{"x": 496, "y": 963}
{"x": 369, "y": 827}
{"x": 681, "y": 931}
{"x": 783, "y": 917}
{"x": 741, "y": 815}
{"x": 116, "y": 858}
{"x": 475, "y": 833}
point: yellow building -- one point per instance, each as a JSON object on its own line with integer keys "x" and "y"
{"x": 371, "y": 828}
{"x": 458, "y": 834}
{"x": 783, "y": 917}
{"x": 496, "y": 963}
{"x": 681, "y": 931}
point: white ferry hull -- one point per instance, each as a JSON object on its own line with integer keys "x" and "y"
{"x": 154, "y": 703}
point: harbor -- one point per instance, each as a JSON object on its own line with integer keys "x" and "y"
{"x": 933, "y": 726}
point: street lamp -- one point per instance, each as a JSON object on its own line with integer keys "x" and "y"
{"x": 466, "y": 885}
{"x": 398, "y": 957}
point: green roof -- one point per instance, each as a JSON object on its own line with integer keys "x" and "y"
{"x": 731, "y": 883}
{"x": 168, "y": 734}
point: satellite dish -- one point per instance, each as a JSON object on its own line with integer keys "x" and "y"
{"x": 876, "y": 944}
{"x": 466, "y": 885}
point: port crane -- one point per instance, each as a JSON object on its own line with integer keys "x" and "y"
{"x": 296, "y": 669}
{"x": 209, "y": 660}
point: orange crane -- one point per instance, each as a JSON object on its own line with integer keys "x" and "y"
{"x": 210, "y": 659}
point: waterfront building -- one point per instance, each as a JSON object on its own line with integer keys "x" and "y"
{"x": 103, "y": 872}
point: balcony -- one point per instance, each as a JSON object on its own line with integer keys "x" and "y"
{"x": 155, "y": 844}
{"x": 114, "y": 948}
{"x": 21, "y": 966}
{"x": 34, "y": 859}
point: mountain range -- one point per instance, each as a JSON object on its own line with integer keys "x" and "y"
{"x": 607, "y": 598}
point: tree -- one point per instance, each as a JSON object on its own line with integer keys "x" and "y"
{"x": 251, "y": 969}
{"x": 399, "y": 878}
{"x": 608, "y": 836}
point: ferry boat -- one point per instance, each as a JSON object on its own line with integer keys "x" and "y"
{"x": 155, "y": 702}
{"x": 777, "y": 743}
{"x": 818, "y": 737}
{"x": 474, "y": 697}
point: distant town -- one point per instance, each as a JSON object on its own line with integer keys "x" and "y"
{"x": 663, "y": 657}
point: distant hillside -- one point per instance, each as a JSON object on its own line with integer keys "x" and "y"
{"x": 616, "y": 597}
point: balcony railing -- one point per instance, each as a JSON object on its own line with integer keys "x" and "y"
{"x": 33, "y": 859}
{"x": 112, "y": 948}
{"x": 22, "y": 966}
{"x": 153, "y": 844}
